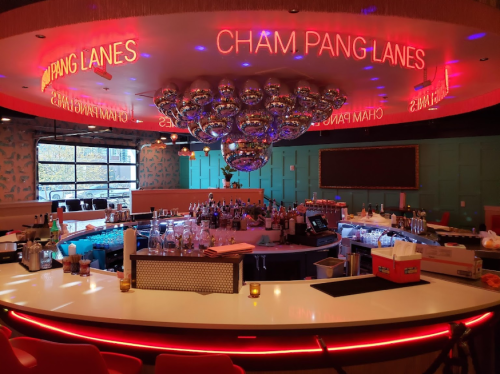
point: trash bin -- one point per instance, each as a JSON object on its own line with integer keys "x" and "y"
{"x": 329, "y": 267}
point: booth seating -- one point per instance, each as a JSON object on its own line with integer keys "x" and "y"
{"x": 203, "y": 364}
{"x": 87, "y": 204}
{"x": 74, "y": 205}
{"x": 99, "y": 204}
{"x": 28, "y": 355}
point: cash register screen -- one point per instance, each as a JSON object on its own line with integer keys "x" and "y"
{"x": 318, "y": 223}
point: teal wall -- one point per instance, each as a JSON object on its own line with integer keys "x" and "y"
{"x": 451, "y": 170}
{"x": 184, "y": 172}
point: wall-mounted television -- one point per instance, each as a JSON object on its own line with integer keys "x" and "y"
{"x": 390, "y": 167}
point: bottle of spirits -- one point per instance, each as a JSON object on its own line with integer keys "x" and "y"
{"x": 269, "y": 219}
{"x": 382, "y": 209}
{"x": 54, "y": 232}
{"x": 363, "y": 211}
{"x": 376, "y": 209}
{"x": 370, "y": 211}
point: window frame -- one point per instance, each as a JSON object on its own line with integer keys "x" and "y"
{"x": 76, "y": 184}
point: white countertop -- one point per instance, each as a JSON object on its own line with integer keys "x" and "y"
{"x": 282, "y": 305}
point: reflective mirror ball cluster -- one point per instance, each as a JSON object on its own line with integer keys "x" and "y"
{"x": 248, "y": 121}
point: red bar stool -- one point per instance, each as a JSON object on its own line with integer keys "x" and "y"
{"x": 12, "y": 359}
{"x": 57, "y": 358}
{"x": 203, "y": 364}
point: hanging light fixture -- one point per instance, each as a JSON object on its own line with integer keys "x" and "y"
{"x": 184, "y": 152}
{"x": 174, "y": 138}
{"x": 262, "y": 114}
{"x": 158, "y": 144}
{"x": 206, "y": 149}
{"x": 192, "y": 157}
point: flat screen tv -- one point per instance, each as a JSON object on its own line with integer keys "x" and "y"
{"x": 391, "y": 167}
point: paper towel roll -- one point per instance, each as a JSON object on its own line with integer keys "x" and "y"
{"x": 129, "y": 248}
{"x": 72, "y": 249}
{"x": 402, "y": 200}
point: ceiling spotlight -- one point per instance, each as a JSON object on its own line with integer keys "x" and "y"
{"x": 484, "y": 59}
{"x": 293, "y": 11}
{"x": 433, "y": 108}
{"x": 206, "y": 149}
{"x": 91, "y": 127}
{"x": 4, "y": 119}
{"x": 163, "y": 137}
{"x": 40, "y": 36}
{"x": 138, "y": 121}
{"x": 174, "y": 138}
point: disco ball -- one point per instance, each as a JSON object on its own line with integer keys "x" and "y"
{"x": 226, "y": 106}
{"x": 215, "y": 125}
{"x": 294, "y": 125}
{"x": 244, "y": 154}
{"x": 254, "y": 122}
{"x": 197, "y": 132}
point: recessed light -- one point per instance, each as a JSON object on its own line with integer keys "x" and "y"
{"x": 484, "y": 59}
{"x": 380, "y": 87}
{"x": 163, "y": 137}
{"x": 433, "y": 108}
{"x": 147, "y": 55}
{"x": 476, "y": 36}
{"x": 299, "y": 57}
{"x": 4, "y": 119}
{"x": 368, "y": 67}
{"x": 199, "y": 48}
{"x": 138, "y": 121}
{"x": 452, "y": 62}
{"x": 91, "y": 127}
{"x": 40, "y": 36}
{"x": 133, "y": 79}
{"x": 245, "y": 64}
{"x": 374, "y": 79}
{"x": 293, "y": 11}
{"x": 25, "y": 86}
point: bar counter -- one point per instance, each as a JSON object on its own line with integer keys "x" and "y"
{"x": 281, "y": 306}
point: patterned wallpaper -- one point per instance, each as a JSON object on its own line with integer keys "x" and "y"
{"x": 17, "y": 167}
{"x": 158, "y": 168}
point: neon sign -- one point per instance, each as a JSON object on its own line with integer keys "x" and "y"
{"x": 353, "y": 117}
{"x": 331, "y": 44}
{"x": 112, "y": 54}
{"x": 432, "y": 96}
{"x": 95, "y": 111}
{"x": 165, "y": 122}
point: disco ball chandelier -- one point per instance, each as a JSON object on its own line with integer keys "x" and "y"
{"x": 249, "y": 123}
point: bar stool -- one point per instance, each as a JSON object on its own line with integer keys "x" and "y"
{"x": 58, "y": 358}
{"x": 203, "y": 364}
{"x": 13, "y": 359}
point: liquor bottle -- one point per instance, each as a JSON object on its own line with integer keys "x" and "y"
{"x": 54, "y": 232}
{"x": 363, "y": 211}
{"x": 35, "y": 225}
{"x": 46, "y": 221}
{"x": 382, "y": 209}
{"x": 376, "y": 209}
{"x": 191, "y": 210}
{"x": 370, "y": 211}
{"x": 40, "y": 220}
{"x": 269, "y": 219}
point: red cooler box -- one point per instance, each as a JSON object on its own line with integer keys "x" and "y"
{"x": 398, "y": 269}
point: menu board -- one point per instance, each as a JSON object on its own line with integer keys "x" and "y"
{"x": 391, "y": 167}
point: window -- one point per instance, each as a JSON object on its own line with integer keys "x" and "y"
{"x": 86, "y": 172}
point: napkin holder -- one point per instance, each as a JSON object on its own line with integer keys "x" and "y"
{"x": 396, "y": 268}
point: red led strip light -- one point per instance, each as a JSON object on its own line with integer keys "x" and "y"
{"x": 469, "y": 322}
